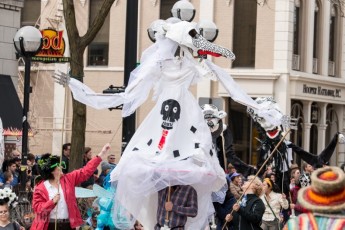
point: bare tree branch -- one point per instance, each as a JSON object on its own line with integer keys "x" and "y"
{"x": 77, "y": 47}
{"x": 71, "y": 25}
{"x": 97, "y": 22}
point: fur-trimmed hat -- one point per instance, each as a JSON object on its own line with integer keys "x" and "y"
{"x": 47, "y": 164}
{"x": 326, "y": 193}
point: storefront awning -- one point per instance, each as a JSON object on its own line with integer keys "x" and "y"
{"x": 11, "y": 110}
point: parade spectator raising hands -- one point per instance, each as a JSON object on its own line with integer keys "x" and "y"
{"x": 54, "y": 197}
{"x": 251, "y": 207}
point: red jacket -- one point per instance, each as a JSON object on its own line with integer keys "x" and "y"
{"x": 298, "y": 208}
{"x": 42, "y": 206}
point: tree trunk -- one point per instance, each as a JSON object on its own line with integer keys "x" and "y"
{"x": 77, "y": 47}
{"x": 79, "y": 117}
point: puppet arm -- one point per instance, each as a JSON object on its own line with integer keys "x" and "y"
{"x": 87, "y": 96}
{"x": 327, "y": 153}
{"x": 306, "y": 156}
{"x": 140, "y": 84}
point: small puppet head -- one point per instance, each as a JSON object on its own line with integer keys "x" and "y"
{"x": 213, "y": 116}
{"x": 270, "y": 121}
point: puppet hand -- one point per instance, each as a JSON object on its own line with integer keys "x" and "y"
{"x": 228, "y": 218}
{"x": 341, "y": 138}
{"x": 104, "y": 151}
{"x": 236, "y": 207}
{"x": 56, "y": 198}
{"x": 224, "y": 127}
{"x": 168, "y": 206}
{"x": 292, "y": 206}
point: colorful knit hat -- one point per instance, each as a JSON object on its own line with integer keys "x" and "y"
{"x": 326, "y": 193}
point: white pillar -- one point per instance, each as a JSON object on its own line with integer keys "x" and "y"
{"x": 282, "y": 93}
{"x": 283, "y": 35}
{"x": 306, "y": 125}
{"x": 204, "y": 88}
{"x": 340, "y": 56}
{"x": 326, "y": 13}
{"x": 321, "y": 137}
{"x": 309, "y": 11}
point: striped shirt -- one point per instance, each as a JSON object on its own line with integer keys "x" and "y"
{"x": 185, "y": 204}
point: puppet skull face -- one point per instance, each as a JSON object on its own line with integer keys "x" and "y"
{"x": 212, "y": 116}
{"x": 170, "y": 111}
{"x": 272, "y": 130}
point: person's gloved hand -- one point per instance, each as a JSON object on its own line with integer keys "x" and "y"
{"x": 341, "y": 138}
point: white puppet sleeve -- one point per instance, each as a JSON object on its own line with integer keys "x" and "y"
{"x": 141, "y": 81}
{"x": 240, "y": 96}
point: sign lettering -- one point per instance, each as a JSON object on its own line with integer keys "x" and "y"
{"x": 321, "y": 91}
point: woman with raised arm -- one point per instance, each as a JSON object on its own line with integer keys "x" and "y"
{"x": 54, "y": 198}
{"x": 251, "y": 207}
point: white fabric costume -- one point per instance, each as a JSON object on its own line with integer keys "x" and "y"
{"x": 173, "y": 145}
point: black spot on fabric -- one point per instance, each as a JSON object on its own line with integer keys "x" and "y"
{"x": 193, "y": 129}
{"x": 211, "y": 152}
{"x": 176, "y": 153}
{"x": 150, "y": 142}
{"x": 135, "y": 149}
{"x": 197, "y": 145}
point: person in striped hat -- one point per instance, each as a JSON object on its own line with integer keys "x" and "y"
{"x": 325, "y": 201}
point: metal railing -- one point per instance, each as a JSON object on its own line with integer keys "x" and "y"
{"x": 295, "y": 62}
{"x": 331, "y": 68}
{"x": 315, "y": 65}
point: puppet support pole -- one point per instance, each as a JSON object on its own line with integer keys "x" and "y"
{"x": 167, "y": 213}
{"x": 256, "y": 175}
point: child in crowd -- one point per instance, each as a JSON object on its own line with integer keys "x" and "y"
{"x": 8, "y": 178}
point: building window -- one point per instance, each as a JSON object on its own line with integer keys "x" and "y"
{"x": 313, "y": 139}
{"x": 296, "y": 58}
{"x": 296, "y": 29}
{"x": 244, "y": 133}
{"x": 98, "y": 49}
{"x": 244, "y": 33}
{"x": 98, "y": 54}
{"x": 31, "y": 12}
{"x": 316, "y": 37}
{"x": 333, "y": 40}
{"x": 297, "y": 131}
{"x": 332, "y": 122}
{"x": 165, "y": 10}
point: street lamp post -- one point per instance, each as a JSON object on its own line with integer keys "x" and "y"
{"x": 128, "y": 124}
{"x": 27, "y": 42}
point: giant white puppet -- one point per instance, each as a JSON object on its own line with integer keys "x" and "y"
{"x": 173, "y": 145}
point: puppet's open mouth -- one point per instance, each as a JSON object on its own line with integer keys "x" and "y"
{"x": 206, "y": 52}
{"x": 273, "y": 133}
{"x": 167, "y": 124}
